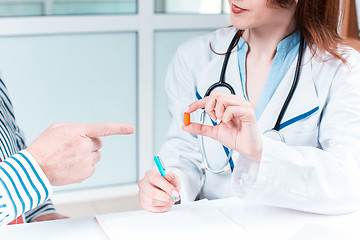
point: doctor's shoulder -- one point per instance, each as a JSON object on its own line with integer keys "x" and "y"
{"x": 352, "y": 58}
{"x": 331, "y": 68}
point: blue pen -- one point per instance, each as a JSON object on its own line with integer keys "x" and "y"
{"x": 161, "y": 168}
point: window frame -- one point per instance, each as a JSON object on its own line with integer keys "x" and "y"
{"x": 146, "y": 22}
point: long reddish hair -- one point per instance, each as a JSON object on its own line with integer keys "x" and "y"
{"x": 318, "y": 21}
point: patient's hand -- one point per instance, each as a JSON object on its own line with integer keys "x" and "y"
{"x": 49, "y": 217}
{"x": 68, "y": 152}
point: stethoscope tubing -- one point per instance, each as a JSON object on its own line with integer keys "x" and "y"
{"x": 222, "y": 83}
{"x": 294, "y": 85}
{"x": 225, "y": 168}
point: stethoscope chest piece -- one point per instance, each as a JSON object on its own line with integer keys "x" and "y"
{"x": 274, "y": 135}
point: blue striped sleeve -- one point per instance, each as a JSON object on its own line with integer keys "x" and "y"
{"x": 23, "y": 186}
{"x": 43, "y": 209}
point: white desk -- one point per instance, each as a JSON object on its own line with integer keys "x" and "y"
{"x": 67, "y": 229}
{"x": 260, "y": 222}
{"x": 265, "y": 222}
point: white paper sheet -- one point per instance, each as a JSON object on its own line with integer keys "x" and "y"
{"x": 196, "y": 220}
{"x": 314, "y": 231}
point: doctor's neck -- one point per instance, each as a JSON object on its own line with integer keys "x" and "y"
{"x": 263, "y": 40}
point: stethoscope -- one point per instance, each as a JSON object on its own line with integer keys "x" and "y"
{"x": 272, "y": 133}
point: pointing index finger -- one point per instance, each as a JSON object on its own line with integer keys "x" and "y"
{"x": 107, "y": 129}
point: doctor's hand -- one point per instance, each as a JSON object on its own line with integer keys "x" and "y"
{"x": 238, "y": 129}
{"x": 155, "y": 192}
{"x": 67, "y": 152}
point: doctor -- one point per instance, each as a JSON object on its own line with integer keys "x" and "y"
{"x": 293, "y": 147}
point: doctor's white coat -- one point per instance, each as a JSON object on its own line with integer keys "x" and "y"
{"x": 317, "y": 169}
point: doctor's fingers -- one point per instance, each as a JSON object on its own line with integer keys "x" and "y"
{"x": 232, "y": 114}
{"x": 218, "y": 102}
{"x": 159, "y": 182}
{"x": 156, "y": 209}
{"x": 224, "y": 101}
{"x": 174, "y": 179}
{"x": 204, "y": 130}
{"x": 153, "y": 192}
{"x": 157, "y": 197}
{"x": 212, "y": 101}
{"x": 161, "y": 209}
{"x": 208, "y": 103}
{"x": 202, "y": 102}
{"x": 210, "y": 107}
{"x": 152, "y": 195}
{"x": 150, "y": 204}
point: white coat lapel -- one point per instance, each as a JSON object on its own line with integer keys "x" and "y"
{"x": 209, "y": 76}
{"x": 303, "y": 104}
{"x": 212, "y": 71}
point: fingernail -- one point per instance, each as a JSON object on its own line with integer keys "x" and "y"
{"x": 177, "y": 199}
{"x": 129, "y": 129}
{"x": 175, "y": 193}
{"x": 169, "y": 177}
{"x": 187, "y": 109}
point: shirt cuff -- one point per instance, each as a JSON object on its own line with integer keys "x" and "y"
{"x": 245, "y": 176}
{"x": 23, "y": 184}
{"x": 43, "y": 209}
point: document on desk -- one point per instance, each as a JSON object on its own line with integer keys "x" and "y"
{"x": 314, "y": 231}
{"x": 196, "y": 219}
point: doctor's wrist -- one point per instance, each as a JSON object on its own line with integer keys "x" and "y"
{"x": 250, "y": 146}
{"x": 255, "y": 155}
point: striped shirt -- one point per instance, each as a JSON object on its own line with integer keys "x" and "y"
{"x": 24, "y": 188}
